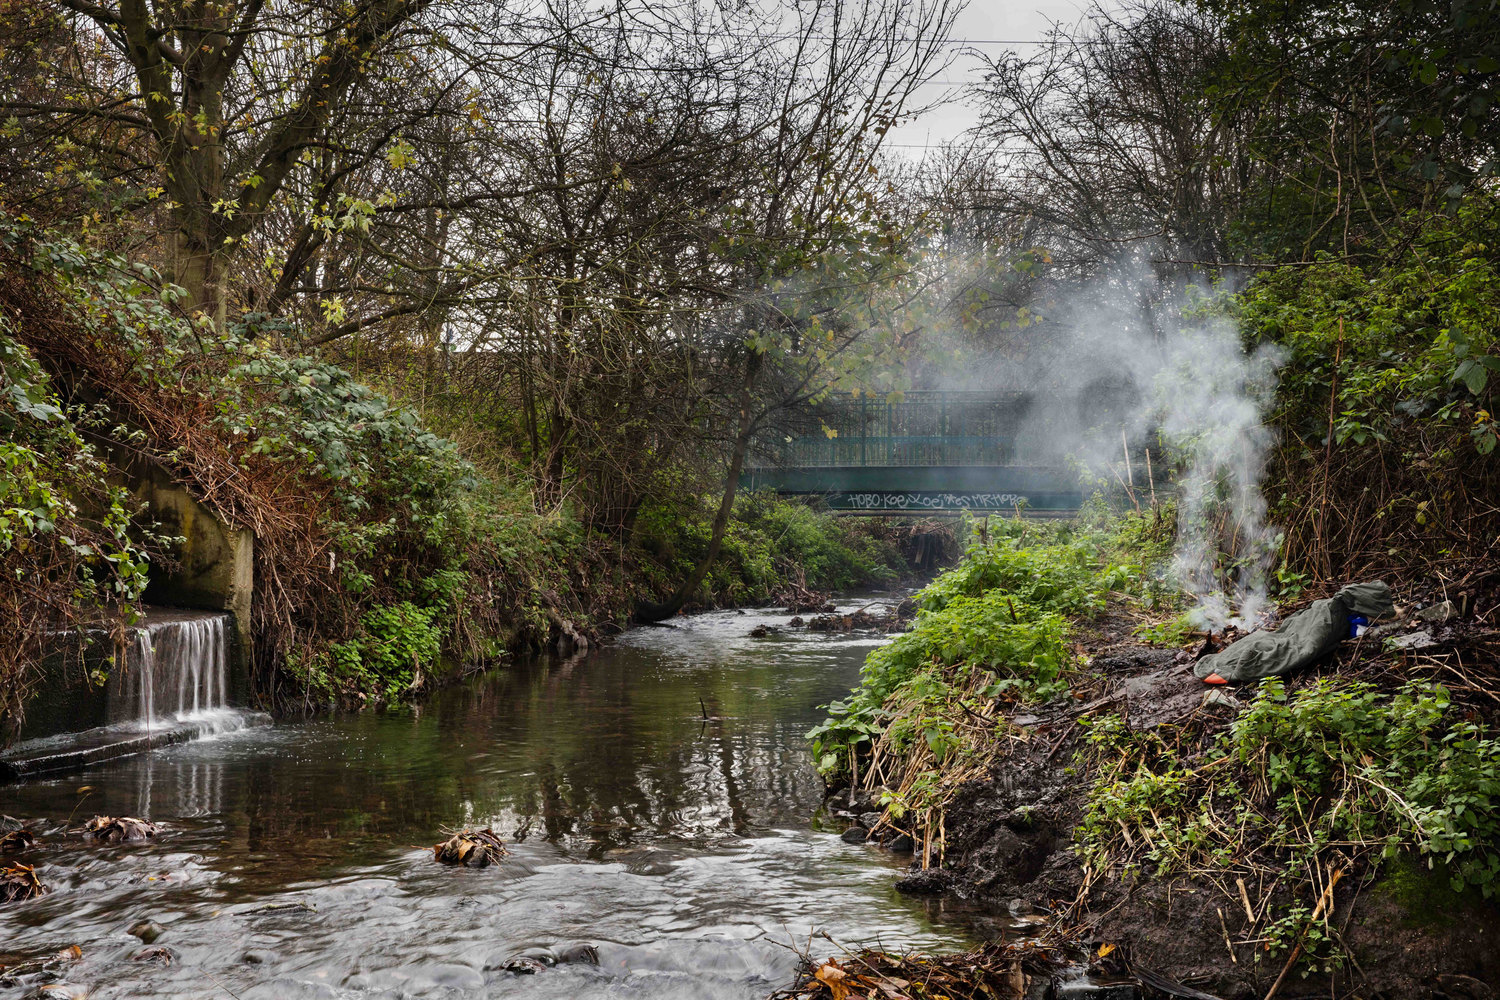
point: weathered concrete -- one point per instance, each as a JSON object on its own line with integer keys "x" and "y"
{"x": 72, "y": 751}
{"x": 216, "y": 561}
{"x": 214, "y": 571}
{"x": 80, "y": 679}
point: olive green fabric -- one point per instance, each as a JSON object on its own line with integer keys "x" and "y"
{"x": 1304, "y": 638}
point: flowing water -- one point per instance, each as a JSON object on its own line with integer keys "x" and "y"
{"x": 171, "y": 684}
{"x": 659, "y": 791}
{"x": 178, "y": 667}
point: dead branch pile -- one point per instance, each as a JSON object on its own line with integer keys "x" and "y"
{"x": 870, "y": 618}
{"x": 798, "y": 599}
{"x": 994, "y": 972}
{"x": 898, "y": 769}
{"x": 1402, "y": 510}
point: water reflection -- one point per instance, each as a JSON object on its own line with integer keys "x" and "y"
{"x": 659, "y": 788}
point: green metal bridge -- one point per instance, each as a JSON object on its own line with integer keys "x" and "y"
{"x": 930, "y": 452}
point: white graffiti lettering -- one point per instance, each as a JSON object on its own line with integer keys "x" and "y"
{"x": 926, "y": 501}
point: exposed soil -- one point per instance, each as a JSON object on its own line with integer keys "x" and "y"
{"x": 1009, "y": 843}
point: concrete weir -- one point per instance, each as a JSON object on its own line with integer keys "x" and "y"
{"x": 215, "y": 562}
{"x": 169, "y": 682}
{"x": 171, "y": 677}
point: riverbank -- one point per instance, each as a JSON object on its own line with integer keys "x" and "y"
{"x": 1041, "y": 738}
{"x": 387, "y": 560}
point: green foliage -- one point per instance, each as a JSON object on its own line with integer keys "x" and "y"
{"x": 52, "y": 492}
{"x": 1386, "y": 408}
{"x": 68, "y": 547}
{"x": 1170, "y": 633}
{"x": 1414, "y": 344}
{"x": 1000, "y": 617}
{"x": 386, "y": 658}
{"x": 1060, "y": 577}
{"x": 1334, "y": 764}
{"x": 377, "y": 534}
{"x": 1407, "y": 347}
{"x": 770, "y": 542}
{"x": 359, "y": 508}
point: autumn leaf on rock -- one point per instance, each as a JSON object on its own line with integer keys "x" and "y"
{"x": 471, "y": 848}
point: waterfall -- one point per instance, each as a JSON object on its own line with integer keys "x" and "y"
{"x": 175, "y": 669}
{"x": 168, "y": 684}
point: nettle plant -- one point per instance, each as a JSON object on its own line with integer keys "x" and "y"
{"x": 1334, "y": 766}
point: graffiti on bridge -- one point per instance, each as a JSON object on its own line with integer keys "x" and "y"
{"x": 907, "y": 500}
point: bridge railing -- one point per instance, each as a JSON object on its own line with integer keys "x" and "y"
{"x": 919, "y": 428}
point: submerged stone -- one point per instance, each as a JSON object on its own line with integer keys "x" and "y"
{"x": 147, "y": 930}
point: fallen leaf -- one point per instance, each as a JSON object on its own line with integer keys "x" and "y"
{"x": 472, "y": 848}
{"x": 19, "y": 882}
{"x": 119, "y": 830}
{"x": 832, "y": 976}
{"x": 16, "y": 841}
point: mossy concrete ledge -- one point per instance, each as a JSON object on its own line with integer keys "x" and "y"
{"x": 216, "y": 568}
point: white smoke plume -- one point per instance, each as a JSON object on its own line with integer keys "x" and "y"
{"x": 1211, "y": 396}
{"x": 1128, "y": 354}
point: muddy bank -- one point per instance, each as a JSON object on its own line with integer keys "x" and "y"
{"x": 1010, "y": 841}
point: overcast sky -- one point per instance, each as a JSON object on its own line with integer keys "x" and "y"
{"x": 992, "y": 26}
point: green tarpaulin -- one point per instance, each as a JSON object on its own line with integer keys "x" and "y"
{"x": 1304, "y": 638}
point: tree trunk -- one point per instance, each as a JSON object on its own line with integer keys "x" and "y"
{"x": 648, "y": 613}
{"x": 200, "y": 271}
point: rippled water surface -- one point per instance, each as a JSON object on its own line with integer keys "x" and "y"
{"x": 295, "y": 860}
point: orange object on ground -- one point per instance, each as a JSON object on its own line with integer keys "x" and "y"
{"x": 1214, "y": 679}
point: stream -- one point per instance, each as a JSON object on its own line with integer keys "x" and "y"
{"x": 295, "y": 860}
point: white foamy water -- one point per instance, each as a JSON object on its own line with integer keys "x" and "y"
{"x": 175, "y": 671}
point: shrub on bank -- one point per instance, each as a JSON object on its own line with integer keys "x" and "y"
{"x": 1336, "y": 764}
{"x": 67, "y": 552}
{"x": 994, "y": 628}
{"x": 771, "y": 542}
{"x": 1386, "y": 408}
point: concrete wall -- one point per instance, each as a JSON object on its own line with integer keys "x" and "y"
{"x": 217, "y": 570}
{"x": 216, "y": 573}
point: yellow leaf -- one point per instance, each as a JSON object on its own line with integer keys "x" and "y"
{"x": 1104, "y": 949}
{"x": 832, "y": 976}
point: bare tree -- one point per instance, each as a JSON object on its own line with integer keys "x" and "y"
{"x": 1110, "y": 140}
